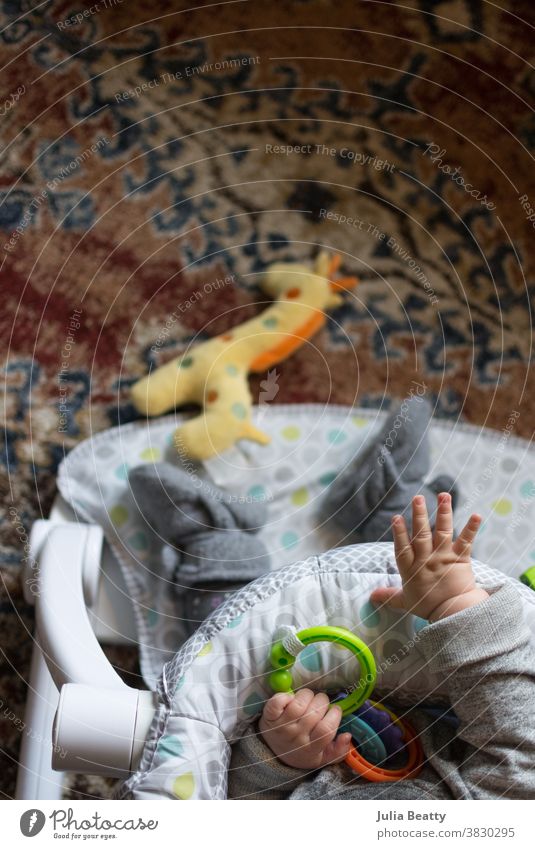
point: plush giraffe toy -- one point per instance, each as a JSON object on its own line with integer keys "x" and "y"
{"x": 214, "y": 373}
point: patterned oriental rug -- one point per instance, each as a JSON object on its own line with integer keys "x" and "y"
{"x": 155, "y": 160}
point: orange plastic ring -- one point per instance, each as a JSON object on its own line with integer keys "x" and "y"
{"x": 371, "y": 772}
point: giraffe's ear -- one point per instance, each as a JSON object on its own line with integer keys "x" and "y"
{"x": 321, "y": 266}
{"x": 333, "y": 301}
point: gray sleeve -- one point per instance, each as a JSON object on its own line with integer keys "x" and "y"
{"x": 485, "y": 658}
{"x": 256, "y": 773}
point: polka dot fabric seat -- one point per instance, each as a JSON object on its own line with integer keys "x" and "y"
{"x": 215, "y": 687}
{"x": 311, "y": 444}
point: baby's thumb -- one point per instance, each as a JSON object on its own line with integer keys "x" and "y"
{"x": 391, "y": 596}
{"x": 337, "y": 750}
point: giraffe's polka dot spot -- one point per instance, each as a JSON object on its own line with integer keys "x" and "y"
{"x": 118, "y": 515}
{"x": 359, "y": 421}
{"x": 231, "y": 369}
{"x": 300, "y": 496}
{"x": 180, "y": 683}
{"x": 121, "y": 471}
{"x": 336, "y": 437}
{"x": 212, "y": 396}
{"x": 527, "y": 490}
{"x": 369, "y": 615}
{"x": 185, "y": 362}
{"x": 502, "y": 506}
{"x": 270, "y": 322}
{"x": 257, "y": 492}
{"x": 184, "y": 785}
{"x": 291, "y": 432}
{"x": 206, "y": 649}
{"x": 293, "y": 293}
{"x": 151, "y": 454}
{"x": 289, "y": 539}
{"x": 327, "y": 478}
{"x": 238, "y": 410}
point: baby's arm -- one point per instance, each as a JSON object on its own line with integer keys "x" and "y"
{"x": 479, "y": 647}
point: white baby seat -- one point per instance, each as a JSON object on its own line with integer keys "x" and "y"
{"x": 217, "y": 680}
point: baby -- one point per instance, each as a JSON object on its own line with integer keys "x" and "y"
{"x": 476, "y": 644}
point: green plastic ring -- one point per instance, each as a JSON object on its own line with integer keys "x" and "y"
{"x": 528, "y": 578}
{"x": 281, "y": 660}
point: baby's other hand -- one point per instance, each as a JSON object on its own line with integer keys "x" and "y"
{"x": 300, "y": 729}
{"x": 436, "y": 572}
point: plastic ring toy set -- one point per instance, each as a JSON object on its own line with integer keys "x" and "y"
{"x": 380, "y": 738}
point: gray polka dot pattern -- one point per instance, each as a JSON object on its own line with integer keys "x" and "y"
{"x": 216, "y": 683}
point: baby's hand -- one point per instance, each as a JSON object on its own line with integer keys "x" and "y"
{"x": 301, "y": 729}
{"x": 436, "y": 572}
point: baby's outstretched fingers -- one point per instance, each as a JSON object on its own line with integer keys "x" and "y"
{"x": 402, "y": 544}
{"x": 462, "y": 546}
{"x": 422, "y": 538}
{"x": 444, "y": 522}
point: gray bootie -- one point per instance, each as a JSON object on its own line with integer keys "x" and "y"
{"x": 213, "y": 533}
{"x": 383, "y": 478}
